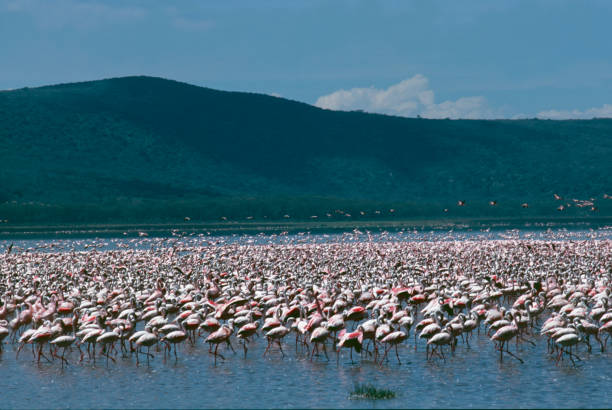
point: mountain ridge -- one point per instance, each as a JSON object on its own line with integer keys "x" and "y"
{"x": 139, "y": 143}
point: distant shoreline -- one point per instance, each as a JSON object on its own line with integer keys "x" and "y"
{"x": 274, "y": 227}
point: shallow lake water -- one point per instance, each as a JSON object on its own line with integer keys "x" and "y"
{"x": 470, "y": 377}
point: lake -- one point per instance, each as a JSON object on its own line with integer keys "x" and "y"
{"x": 470, "y": 377}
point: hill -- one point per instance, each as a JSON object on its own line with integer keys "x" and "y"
{"x": 146, "y": 149}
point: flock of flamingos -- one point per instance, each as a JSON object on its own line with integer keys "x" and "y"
{"x": 149, "y": 299}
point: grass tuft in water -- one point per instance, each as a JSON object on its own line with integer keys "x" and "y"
{"x": 370, "y": 392}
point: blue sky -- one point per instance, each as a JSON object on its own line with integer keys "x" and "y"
{"x": 471, "y": 59}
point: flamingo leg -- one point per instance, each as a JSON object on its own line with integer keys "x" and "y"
{"x": 528, "y": 341}
{"x": 385, "y": 355}
{"x": 269, "y": 344}
{"x": 63, "y": 358}
{"x": 81, "y": 352}
{"x": 281, "y": 348}
{"x": 40, "y": 353}
{"x": 572, "y": 359}
{"x": 512, "y": 354}
{"x": 600, "y": 343}
{"x": 19, "y": 350}
{"x": 587, "y": 341}
{"x": 230, "y": 345}
{"x": 397, "y": 355}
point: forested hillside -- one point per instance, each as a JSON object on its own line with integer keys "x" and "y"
{"x": 149, "y": 149}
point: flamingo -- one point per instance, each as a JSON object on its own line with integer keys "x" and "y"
{"x": 276, "y": 334}
{"x": 440, "y": 339}
{"x": 64, "y": 342}
{"x": 567, "y": 341}
{"x": 40, "y": 337}
{"x": 147, "y": 339}
{"x": 4, "y": 332}
{"x": 245, "y": 332}
{"x": 107, "y": 340}
{"x": 351, "y": 340}
{"x": 219, "y": 336}
{"x": 314, "y": 289}
{"x": 173, "y": 338}
{"x": 393, "y": 339}
{"x": 504, "y": 335}
{"x": 319, "y": 336}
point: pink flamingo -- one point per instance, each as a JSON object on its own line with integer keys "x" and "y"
{"x": 393, "y": 339}
{"x": 352, "y": 340}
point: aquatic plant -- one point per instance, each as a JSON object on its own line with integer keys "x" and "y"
{"x": 371, "y": 392}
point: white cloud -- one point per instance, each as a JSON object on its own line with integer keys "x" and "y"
{"x": 408, "y": 98}
{"x": 605, "y": 111}
{"x": 466, "y": 107}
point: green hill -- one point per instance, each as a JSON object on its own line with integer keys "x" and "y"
{"x": 144, "y": 149}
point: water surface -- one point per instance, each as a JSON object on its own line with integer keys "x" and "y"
{"x": 471, "y": 377}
